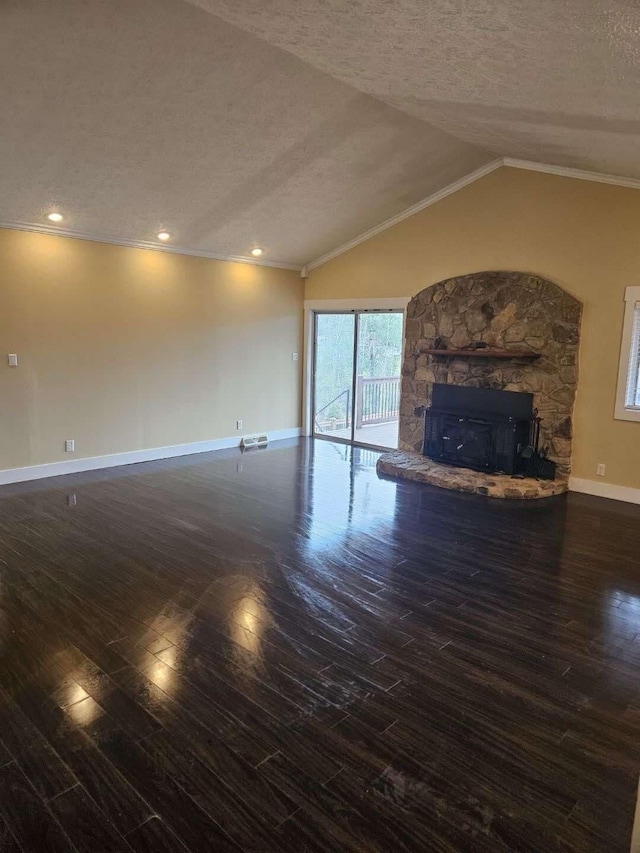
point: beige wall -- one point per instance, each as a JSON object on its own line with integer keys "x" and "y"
{"x": 126, "y": 349}
{"x": 582, "y": 235}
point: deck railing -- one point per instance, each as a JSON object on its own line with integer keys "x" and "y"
{"x": 333, "y": 423}
{"x": 377, "y": 401}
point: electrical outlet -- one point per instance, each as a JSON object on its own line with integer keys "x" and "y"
{"x": 238, "y": 424}
{"x": 69, "y": 446}
{"x": 294, "y": 356}
{"x": 239, "y": 467}
{"x": 12, "y": 359}
{"x": 600, "y": 470}
{"x": 71, "y": 499}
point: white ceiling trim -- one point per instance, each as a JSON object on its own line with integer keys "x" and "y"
{"x": 547, "y": 168}
{"x": 529, "y": 165}
{"x": 142, "y": 244}
{"x": 405, "y": 214}
{"x": 393, "y": 303}
{"x": 567, "y": 172}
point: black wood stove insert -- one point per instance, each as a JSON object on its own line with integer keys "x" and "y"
{"x": 479, "y": 428}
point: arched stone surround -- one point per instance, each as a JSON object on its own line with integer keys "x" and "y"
{"x": 507, "y": 310}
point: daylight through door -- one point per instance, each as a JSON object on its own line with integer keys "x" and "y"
{"x": 356, "y": 388}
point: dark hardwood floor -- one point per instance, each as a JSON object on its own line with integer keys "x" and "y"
{"x": 282, "y": 652}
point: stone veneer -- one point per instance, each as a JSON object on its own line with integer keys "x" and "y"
{"x": 507, "y": 310}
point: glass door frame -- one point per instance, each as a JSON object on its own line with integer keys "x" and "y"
{"x": 357, "y": 313}
{"x": 314, "y": 348}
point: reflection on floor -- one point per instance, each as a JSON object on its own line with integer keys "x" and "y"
{"x": 279, "y": 651}
{"x": 378, "y": 435}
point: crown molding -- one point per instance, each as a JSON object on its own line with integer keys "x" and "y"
{"x": 567, "y": 172}
{"x": 304, "y": 270}
{"x": 405, "y": 214}
{"x": 142, "y": 244}
{"x": 529, "y": 165}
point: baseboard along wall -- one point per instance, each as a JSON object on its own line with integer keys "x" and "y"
{"x": 94, "y": 463}
{"x": 605, "y": 490}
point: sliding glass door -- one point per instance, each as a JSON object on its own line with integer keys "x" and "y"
{"x": 377, "y": 386}
{"x": 335, "y": 336}
{"x": 356, "y": 379}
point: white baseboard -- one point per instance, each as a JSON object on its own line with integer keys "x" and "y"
{"x": 131, "y": 457}
{"x": 605, "y": 490}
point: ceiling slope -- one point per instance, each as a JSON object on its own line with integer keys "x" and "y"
{"x": 553, "y": 81}
{"x": 139, "y": 115}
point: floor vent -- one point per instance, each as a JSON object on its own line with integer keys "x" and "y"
{"x": 250, "y": 441}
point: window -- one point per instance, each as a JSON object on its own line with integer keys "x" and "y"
{"x": 628, "y": 396}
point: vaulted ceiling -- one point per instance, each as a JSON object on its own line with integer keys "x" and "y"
{"x": 295, "y": 125}
{"x": 555, "y": 81}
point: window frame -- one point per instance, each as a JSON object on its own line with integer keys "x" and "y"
{"x": 622, "y": 411}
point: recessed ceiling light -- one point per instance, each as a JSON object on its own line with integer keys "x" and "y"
{"x": 55, "y": 217}
{"x": 257, "y": 252}
{"x": 164, "y": 236}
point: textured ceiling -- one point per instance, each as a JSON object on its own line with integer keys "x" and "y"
{"x": 556, "y": 81}
{"x": 135, "y": 115}
{"x": 297, "y": 124}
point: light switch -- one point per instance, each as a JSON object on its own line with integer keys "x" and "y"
{"x": 294, "y": 356}
{"x": 12, "y": 359}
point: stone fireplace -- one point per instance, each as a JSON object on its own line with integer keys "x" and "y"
{"x": 531, "y": 329}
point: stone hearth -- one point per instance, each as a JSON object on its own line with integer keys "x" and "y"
{"x": 409, "y": 465}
